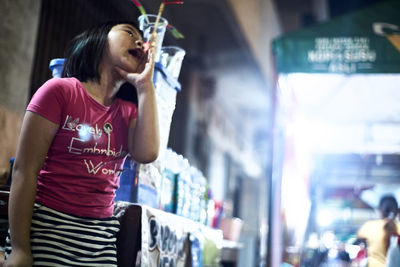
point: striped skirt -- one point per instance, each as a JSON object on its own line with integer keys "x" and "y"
{"x": 59, "y": 239}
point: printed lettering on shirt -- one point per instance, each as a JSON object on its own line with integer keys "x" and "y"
{"x": 80, "y": 145}
{"x": 94, "y": 169}
{"x": 85, "y": 131}
{"x": 73, "y": 148}
{"x": 70, "y": 124}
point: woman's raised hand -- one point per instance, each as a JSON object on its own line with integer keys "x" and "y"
{"x": 144, "y": 77}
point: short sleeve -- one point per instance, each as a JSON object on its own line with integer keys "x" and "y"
{"x": 48, "y": 101}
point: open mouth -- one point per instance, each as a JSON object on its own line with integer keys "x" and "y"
{"x": 137, "y": 53}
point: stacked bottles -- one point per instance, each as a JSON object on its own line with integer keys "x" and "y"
{"x": 169, "y": 178}
{"x": 183, "y": 188}
{"x": 198, "y": 187}
{"x": 183, "y": 191}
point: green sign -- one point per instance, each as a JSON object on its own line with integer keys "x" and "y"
{"x": 367, "y": 41}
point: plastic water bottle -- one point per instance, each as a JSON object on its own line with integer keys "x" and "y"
{"x": 56, "y": 66}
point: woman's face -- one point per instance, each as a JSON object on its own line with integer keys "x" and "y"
{"x": 125, "y": 48}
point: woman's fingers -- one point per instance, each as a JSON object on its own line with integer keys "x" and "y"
{"x": 122, "y": 72}
{"x": 144, "y": 74}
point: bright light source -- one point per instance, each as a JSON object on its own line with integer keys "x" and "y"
{"x": 325, "y": 218}
{"x": 342, "y": 113}
{"x": 328, "y": 239}
{"x": 84, "y": 131}
{"x": 352, "y": 250}
{"x": 313, "y": 241}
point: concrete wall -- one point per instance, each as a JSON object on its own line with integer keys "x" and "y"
{"x": 260, "y": 23}
{"x": 19, "y": 21}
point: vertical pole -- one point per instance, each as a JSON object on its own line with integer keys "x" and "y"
{"x": 274, "y": 244}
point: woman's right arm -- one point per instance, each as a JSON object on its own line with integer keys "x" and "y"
{"x": 36, "y": 136}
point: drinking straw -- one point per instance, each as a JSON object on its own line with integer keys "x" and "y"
{"x": 160, "y": 11}
{"x": 139, "y": 6}
{"x": 175, "y": 32}
{"x": 154, "y": 34}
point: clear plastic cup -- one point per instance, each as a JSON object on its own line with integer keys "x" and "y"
{"x": 171, "y": 58}
{"x": 146, "y": 25}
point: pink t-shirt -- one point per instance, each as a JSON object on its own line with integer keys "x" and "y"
{"x": 82, "y": 167}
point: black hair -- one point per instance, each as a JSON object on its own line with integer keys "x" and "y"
{"x": 387, "y": 205}
{"x": 85, "y": 51}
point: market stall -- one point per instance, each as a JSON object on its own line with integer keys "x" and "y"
{"x": 164, "y": 206}
{"x": 337, "y": 93}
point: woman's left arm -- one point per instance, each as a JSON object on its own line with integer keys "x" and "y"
{"x": 144, "y": 141}
{"x": 143, "y": 136}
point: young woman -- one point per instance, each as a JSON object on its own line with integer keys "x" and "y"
{"x": 377, "y": 233}
{"x": 73, "y": 142}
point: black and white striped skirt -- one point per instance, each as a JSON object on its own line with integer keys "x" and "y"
{"x": 59, "y": 239}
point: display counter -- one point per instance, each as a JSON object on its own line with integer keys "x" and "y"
{"x": 151, "y": 237}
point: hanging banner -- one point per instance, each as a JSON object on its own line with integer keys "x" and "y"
{"x": 165, "y": 239}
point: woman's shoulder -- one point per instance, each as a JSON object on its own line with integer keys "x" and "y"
{"x": 68, "y": 88}
{"x": 366, "y": 228}
{"x": 61, "y": 82}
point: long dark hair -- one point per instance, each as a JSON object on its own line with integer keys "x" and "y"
{"x": 85, "y": 51}
{"x": 387, "y": 205}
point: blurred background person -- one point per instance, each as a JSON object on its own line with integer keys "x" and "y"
{"x": 377, "y": 233}
{"x": 393, "y": 253}
{"x": 343, "y": 256}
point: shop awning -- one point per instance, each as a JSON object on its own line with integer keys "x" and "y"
{"x": 366, "y": 41}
